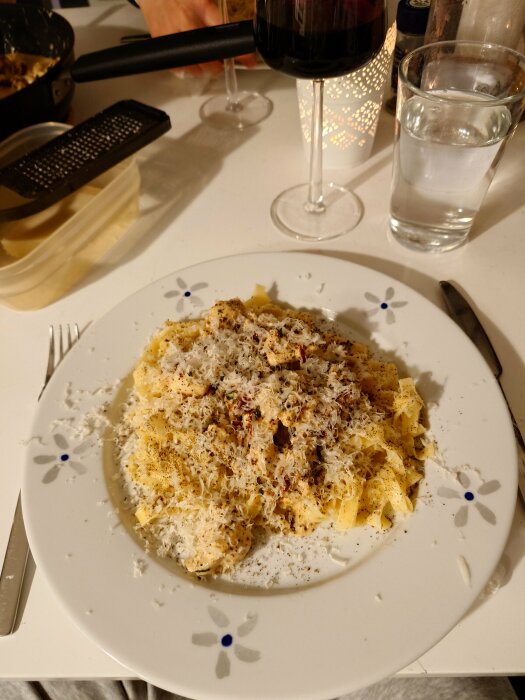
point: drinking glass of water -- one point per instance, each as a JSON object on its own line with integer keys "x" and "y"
{"x": 458, "y": 105}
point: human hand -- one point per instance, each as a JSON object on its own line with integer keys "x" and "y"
{"x": 171, "y": 16}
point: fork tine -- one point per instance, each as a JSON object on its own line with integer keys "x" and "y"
{"x": 68, "y": 337}
{"x": 51, "y": 356}
{"x": 73, "y": 334}
{"x": 60, "y": 342}
{"x": 50, "y": 359}
{"x": 61, "y": 347}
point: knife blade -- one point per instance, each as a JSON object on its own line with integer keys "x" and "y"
{"x": 463, "y": 314}
{"x": 13, "y": 572}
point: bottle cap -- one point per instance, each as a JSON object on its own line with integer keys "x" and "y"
{"x": 412, "y": 16}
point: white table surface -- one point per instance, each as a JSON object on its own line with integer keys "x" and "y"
{"x": 205, "y": 196}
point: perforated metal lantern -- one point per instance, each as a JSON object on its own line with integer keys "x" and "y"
{"x": 351, "y": 109}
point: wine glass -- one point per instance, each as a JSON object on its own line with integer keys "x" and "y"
{"x": 236, "y": 109}
{"x": 318, "y": 39}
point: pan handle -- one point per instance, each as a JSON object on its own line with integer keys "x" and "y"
{"x": 171, "y": 51}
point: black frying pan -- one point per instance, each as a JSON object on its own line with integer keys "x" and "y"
{"x": 33, "y": 30}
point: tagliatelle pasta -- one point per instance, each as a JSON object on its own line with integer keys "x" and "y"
{"x": 257, "y": 416}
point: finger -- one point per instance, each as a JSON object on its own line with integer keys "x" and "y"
{"x": 211, "y": 15}
{"x": 200, "y": 69}
{"x": 248, "y": 60}
{"x": 212, "y": 68}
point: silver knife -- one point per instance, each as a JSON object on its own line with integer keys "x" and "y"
{"x": 463, "y": 314}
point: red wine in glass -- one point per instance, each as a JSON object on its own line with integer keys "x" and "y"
{"x": 318, "y": 39}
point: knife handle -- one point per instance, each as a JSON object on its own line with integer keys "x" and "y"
{"x": 521, "y": 465}
{"x": 13, "y": 572}
{"x": 521, "y": 447}
{"x": 170, "y": 51}
{"x": 517, "y": 433}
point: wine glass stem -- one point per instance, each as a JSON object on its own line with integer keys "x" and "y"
{"x": 315, "y": 204}
{"x": 232, "y": 90}
{"x": 230, "y": 76}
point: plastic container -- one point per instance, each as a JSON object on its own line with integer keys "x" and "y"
{"x": 71, "y": 249}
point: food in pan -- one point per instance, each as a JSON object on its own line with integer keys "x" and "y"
{"x": 18, "y": 70}
{"x": 257, "y": 416}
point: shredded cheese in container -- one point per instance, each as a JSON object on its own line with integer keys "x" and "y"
{"x": 259, "y": 417}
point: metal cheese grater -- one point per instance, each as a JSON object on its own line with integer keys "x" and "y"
{"x": 52, "y": 171}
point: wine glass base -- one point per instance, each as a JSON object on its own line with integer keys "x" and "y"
{"x": 341, "y": 213}
{"x": 249, "y": 109}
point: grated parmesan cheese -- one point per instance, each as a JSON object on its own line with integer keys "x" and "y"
{"x": 259, "y": 418}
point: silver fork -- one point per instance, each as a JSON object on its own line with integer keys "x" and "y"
{"x": 57, "y": 350}
{"x": 17, "y": 553}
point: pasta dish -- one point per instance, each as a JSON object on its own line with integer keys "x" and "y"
{"x": 260, "y": 417}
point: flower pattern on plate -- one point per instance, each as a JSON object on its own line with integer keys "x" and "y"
{"x": 472, "y": 499}
{"x": 385, "y": 304}
{"x": 227, "y": 641}
{"x": 62, "y": 459}
{"x": 185, "y": 293}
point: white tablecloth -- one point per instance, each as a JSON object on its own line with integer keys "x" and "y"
{"x": 205, "y": 197}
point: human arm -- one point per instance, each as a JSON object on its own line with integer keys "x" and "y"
{"x": 171, "y": 16}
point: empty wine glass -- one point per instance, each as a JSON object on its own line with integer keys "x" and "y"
{"x": 318, "y": 39}
{"x": 236, "y": 109}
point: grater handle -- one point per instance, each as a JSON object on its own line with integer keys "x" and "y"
{"x": 171, "y": 51}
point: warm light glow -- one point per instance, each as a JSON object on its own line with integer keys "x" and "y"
{"x": 351, "y": 108}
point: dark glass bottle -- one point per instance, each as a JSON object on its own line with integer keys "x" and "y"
{"x": 411, "y": 23}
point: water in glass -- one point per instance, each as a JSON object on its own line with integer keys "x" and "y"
{"x": 443, "y": 166}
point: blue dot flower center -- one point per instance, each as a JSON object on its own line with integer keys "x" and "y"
{"x": 469, "y": 495}
{"x": 64, "y": 457}
{"x": 384, "y": 305}
{"x": 227, "y": 640}
{"x": 187, "y": 293}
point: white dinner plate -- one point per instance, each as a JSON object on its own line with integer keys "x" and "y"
{"x": 369, "y": 604}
